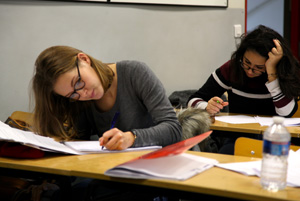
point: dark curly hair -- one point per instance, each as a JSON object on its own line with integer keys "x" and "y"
{"x": 260, "y": 40}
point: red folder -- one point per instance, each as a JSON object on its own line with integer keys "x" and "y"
{"x": 176, "y": 148}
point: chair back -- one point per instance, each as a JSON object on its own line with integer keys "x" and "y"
{"x": 21, "y": 120}
{"x": 252, "y": 147}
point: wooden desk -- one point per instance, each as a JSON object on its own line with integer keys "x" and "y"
{"x": 294, "y": 131}
{"x": 242, "y": 128}
{"x": 254, "y": 128}
{"x": 215, "y": 181}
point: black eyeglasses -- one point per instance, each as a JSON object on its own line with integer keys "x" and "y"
{"x": 254, "y": 70}
{"x": 78, "y": 86}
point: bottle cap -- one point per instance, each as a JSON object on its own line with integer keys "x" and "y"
{"x": 278, "y": 120}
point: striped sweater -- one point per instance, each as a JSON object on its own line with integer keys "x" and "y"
{"x": 258, "y": 96}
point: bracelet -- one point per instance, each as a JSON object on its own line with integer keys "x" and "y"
{"x": 272, "y": 74}
{"x": 134, "y": 134}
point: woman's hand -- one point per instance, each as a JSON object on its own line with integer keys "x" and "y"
{"x": 114, "y": 139}
{"x": 214, "y": 105}
{"x": 274, "y": 57}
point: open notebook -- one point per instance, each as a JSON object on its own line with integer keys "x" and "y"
{"x": 166, "y": 163}
{"x": 49, "y": 144}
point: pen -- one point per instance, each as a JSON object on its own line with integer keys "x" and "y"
{"x": 113, "y": 122}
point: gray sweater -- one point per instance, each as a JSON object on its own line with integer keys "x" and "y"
{"x": 143, "y": 106}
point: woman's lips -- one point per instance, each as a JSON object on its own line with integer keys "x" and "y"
{"x": 92, "y": 94}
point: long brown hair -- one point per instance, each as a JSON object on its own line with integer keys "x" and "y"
{"x": 55, "y": 115}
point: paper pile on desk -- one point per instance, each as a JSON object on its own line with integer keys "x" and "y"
{"x": 167, "y": 163}
{"x": 263, "y": 121}
{"x": 253, "y": 168}
{"x": 267, "y": 121}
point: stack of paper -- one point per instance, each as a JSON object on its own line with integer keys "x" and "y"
{"x": 167, "y": 163}
{"x": 178, "y": 167}
{"x": 253, "y": 168}
{"x": 263, "y": 121}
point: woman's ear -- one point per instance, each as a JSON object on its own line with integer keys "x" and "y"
{"x": 83, "y": 57}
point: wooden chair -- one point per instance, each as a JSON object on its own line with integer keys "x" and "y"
{"x": 21, "y": 120}
{"x": 22, "y": 116}
{"x": 252, "y": 147}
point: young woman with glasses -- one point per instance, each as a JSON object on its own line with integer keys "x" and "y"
{"x": 77, "y": 96}
{"x": 124, "y": 103}
{"x": 262, "y": 78}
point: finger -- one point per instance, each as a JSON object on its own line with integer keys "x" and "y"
{"x": 217, "y": 99}
{"x": 118, "y": 145}
{"x": 277, "y": 43}
{"x": 225, "y": 104}
{"x": 218, "y": 106}
{"x": 214, "y": 103}
{"x": 213, "y": 109}
{"x": 271, "y": 55}
{"x": 113, "y": 142}
{"x": 275, "y": 52}
{"x": 278, "y": 46}
{"x": 108, "y": 135}
{"x": 101, "y": 141}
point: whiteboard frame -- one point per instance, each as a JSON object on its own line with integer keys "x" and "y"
{"x": 210, "y": 3}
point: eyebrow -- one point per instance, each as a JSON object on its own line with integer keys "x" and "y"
{"x": 260, "y": 66}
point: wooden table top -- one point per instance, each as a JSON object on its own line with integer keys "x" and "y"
{"x": 215, "y": 181}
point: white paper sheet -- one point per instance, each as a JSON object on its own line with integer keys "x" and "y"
{"x": 28, "y": 138}
{"x": 236, "y": 119}
{"x": 94, "y": 146}
{"x": 267, "y": 121}
{"x": 175, "y": 167}
{"x": 254, "y": 168}
{"x": 263, "y": 121}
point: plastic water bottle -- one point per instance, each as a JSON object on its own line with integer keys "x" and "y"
{"x": 276, "y": 148}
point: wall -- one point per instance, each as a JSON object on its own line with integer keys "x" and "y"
{"x": 182, "y": 45}
{"x": 267, "y": 12}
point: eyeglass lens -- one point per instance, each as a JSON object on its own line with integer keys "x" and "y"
{"x": 254, "y": 70}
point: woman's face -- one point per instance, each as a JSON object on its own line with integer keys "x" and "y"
{"x": 253, "y": 64}
{"x": 92, "y": 88}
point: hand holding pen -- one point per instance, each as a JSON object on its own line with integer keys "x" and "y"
{"x": 115, "y": 139}
{"x": 214, "y": 105}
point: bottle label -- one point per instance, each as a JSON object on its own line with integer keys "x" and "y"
{"x": 276, "y": 148}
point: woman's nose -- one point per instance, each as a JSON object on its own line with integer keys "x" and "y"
{"x": 250, "y": 69}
